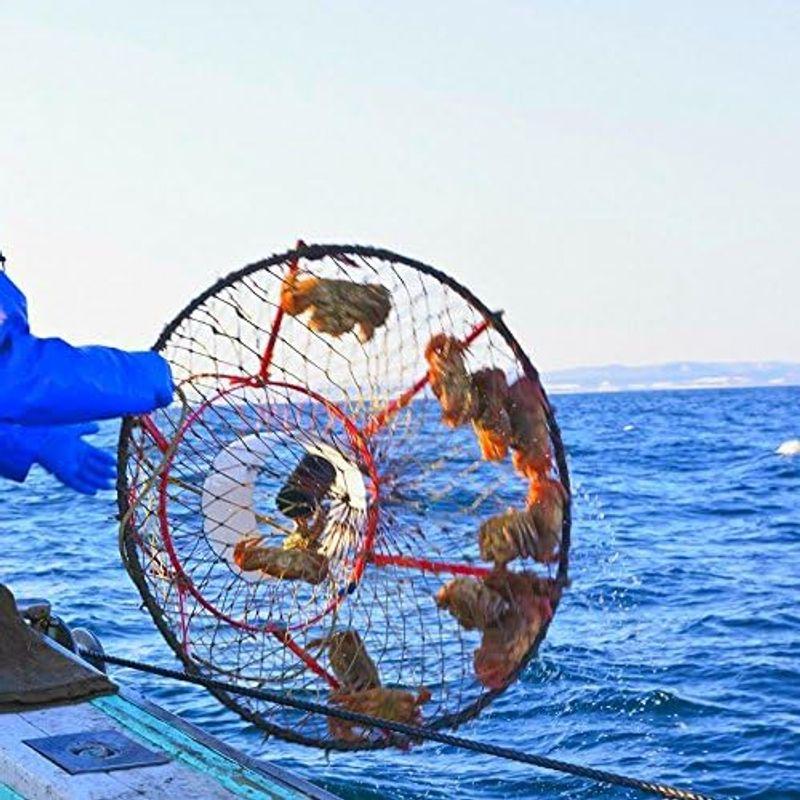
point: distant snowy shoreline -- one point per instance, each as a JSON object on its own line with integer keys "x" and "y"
{"x": 672, "y": 376}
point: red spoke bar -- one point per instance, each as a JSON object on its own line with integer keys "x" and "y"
{"x": 155, "y": 434}
{"x": 393, "y": 406}
{"x": 426, "y": 565}
{"x": 285, "y": 638}
{"x": 266, "y": 359}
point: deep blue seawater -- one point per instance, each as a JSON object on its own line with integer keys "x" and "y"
{"x": 675, "y": 655}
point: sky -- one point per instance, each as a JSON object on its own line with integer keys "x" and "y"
{"x": 620, "y": 177}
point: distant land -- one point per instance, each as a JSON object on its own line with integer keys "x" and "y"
{"x": 675, "y": 375}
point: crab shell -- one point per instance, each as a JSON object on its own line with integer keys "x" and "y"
{"x": 546, "y": 500}
{"x": 504, "y": 646}
{"x": 350, "y": 661}
{"x": 298, "y": 294}
{"x": 449, "y": 379}
{"x": 491, "y": 422}
{"x": 530, "y": 437}
{"x": 514, "y": 534}
{"x": 294, "y": 564}
{"x": 536, "y": 461}
{"x": 337, "y": 306}
{"x": 472, "y": 603}
{"x": 394, "y": 705}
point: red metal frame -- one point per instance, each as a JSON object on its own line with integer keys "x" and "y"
{"x": 185, "y": 584}
{"x": 359, "y": 444}
{"x": 377, "y": 421}
{"x": 266, "y": 359}
{"x": 155, "y": 434}
{"x": 359, "y": 440}
{"x": 427, "y": 565}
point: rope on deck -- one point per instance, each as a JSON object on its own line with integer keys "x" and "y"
{"x": 413, "y": 732}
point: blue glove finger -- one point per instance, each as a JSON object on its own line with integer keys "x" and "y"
{"x": 85, "y": 428}
{"x": 104, "y": 479}
{"x": 97, "y": 484}
{"x": 96, "y": 455}
{"x": 100, "y": 458}
{"x": 96, "y": 463}
{"x": 100, "y": 477}
{"x": 104, "y": 457}
{"x": 77, "y": 464}
{"x": 93, "y": 480}
{"x": 99, "y": 471}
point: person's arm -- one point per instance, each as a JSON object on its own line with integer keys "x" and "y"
{"x": 49, "y": 382}
{"x": 61, "y": 451}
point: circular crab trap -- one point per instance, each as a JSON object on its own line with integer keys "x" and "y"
{"x": 361, "y": 498}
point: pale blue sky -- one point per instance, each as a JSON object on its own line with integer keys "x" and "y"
{"x": 621, "y": 177}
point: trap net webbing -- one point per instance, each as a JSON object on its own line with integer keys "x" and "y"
{"x": 361, "y": 497}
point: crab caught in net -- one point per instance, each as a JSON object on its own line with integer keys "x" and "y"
{"x": 361, "y": 498}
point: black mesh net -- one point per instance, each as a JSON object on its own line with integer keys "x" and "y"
{"x": 350, "y": 501}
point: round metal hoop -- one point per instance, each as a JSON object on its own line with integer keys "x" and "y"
{"x": 359, "y": 443}
{"x": 359, "y": 436}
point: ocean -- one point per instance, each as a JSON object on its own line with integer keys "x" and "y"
{"x": 674, "y": 656}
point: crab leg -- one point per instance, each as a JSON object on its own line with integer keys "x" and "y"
{"x": 285, "y": 638}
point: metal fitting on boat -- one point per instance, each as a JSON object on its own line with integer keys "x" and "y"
{"x": 38, "y": 614}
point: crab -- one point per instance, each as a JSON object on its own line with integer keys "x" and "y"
{"x": 449, "y": 380}
{"x": 530, "y": 436}
{"x": 472, "y": 603}
{"x": 515, "y": 534}
{"x": 337, "y": 306}
{"x": 349, "y": 660}
{"x": 504, "y": 646}
{"x": 491, "y": 422}
{"x": 546, "y": 500}
{"x": 393, "y": 705}
{"x": 292, "y": 564}
{"x": 306, "y": 533}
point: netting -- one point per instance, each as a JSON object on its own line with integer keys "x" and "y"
{"x": 361, "y": 498}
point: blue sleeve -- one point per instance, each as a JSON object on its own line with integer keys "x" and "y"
{"x": 17, "y": 451}
{"x": 49, "y": 382}
{"x": 13, "y": 310}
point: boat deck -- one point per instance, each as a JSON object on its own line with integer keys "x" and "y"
{"x": 198, "y": 766}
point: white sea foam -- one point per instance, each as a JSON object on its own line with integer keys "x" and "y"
{"x": 789, "y": 448}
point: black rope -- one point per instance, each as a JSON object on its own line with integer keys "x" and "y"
{"x": 413, "y": 732}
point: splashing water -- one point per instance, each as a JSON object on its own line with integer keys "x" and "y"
{"x": 789, "y": 448}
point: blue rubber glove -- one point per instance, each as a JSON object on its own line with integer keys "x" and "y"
{"x": 77, "y": 464}
{"x": 16, "y": 452}
{"x": 61, "y": 451}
